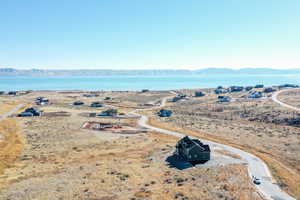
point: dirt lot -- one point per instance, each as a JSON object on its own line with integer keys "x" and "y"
{"x": 63, "y": 161}
{"x": 257, "y": 125}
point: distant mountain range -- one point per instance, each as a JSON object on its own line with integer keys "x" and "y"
{"x": 107, "y": 72}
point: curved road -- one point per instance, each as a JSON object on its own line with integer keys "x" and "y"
{"x": 256, "y": 166}
{"x": 275, "y": 99}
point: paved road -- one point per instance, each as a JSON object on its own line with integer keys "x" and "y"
{"x": 275, "y": 98}
{"x": 256, "y": 166}
{"x": 18, "y": 107}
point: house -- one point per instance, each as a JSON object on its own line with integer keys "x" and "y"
{"x": 34, "y": 111}
{"x": 13, "y": 93}
{"x": 255, "y": 95}
{"x": 221, "y": 91}
{"x": 145, "y": 90}
{"x": 199, "y": 94}
{"x": 41, "y": 101}
{"x": 248, "y": 88}
{"x": 165, "y": 113}
{"x": 107, "y": 98}
{"x": 259, "y": 86}
{"x": 91, "y": 95}
{"x": 30, "y": 112}
{"x": 96, "y": 104}
{"x": 269, "y": 90}
{"x": 78, "y": 103}
{"x": 109, "y": 113}
{"x": 236, "y": 88}
{"x": 223, "y": 99}
{"x": 179, "y": 97}
{"x": 193, "y": 150}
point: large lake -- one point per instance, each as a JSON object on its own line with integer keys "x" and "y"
{"x": 142, "y": 82}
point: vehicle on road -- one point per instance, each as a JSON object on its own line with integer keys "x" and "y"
{"x": 256, "y": 181}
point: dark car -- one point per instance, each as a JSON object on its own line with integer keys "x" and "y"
{"x": 78, "y": 103}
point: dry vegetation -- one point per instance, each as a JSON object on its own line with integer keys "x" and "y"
{"x": 11, "y": 144}
{"x": 63, "y": 161}
{"x": 291, "y": 97}
{"x": 259, "y": 126}
{"x": 7, "y": 104}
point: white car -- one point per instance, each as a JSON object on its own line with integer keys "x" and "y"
{"x": 256, "y": 181}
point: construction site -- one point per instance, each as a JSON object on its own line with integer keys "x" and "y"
{"x": 118, "y": 128}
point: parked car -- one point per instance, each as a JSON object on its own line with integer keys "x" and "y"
{"x": 78, "y": 103}
{"x": 256, "y": 181}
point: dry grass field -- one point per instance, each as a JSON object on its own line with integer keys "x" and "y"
{"x": 259, "y": 126}
{"x": 291, "y": 97}
{"x": 7, "y": 104}
{"x": 11, "y": 144}
{"x": 56, "y": 159}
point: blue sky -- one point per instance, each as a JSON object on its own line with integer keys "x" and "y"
{"x": 143, "y": 34}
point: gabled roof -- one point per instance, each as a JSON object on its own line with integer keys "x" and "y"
{"x": 193, "y": 143}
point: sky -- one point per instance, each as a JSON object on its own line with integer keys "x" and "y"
{"x": 149, "y": 34}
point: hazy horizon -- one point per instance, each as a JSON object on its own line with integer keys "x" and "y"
{"x": 160, "y": 68}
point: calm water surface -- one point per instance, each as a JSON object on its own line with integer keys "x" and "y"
{"x": 141, "y": 82}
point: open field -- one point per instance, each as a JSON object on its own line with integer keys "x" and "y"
{"x": 7, "y": 105}
{"x": 259, "y": 126}
{"x": 11, "y": 144}
{"x": 57, "y": 159}
{"x": 291, "y": 97}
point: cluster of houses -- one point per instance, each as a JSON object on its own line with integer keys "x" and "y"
{"x": 186, "y": 97}
{"x": 11, "y": 93}
{"x": 234, "y": 88}
{"x": 108, "y": 113}
{"x": 252, "y": 93}
{"x": 288, "y": 86}
{"x": 91, "y": 95}
{"x": 95, "y": 104}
